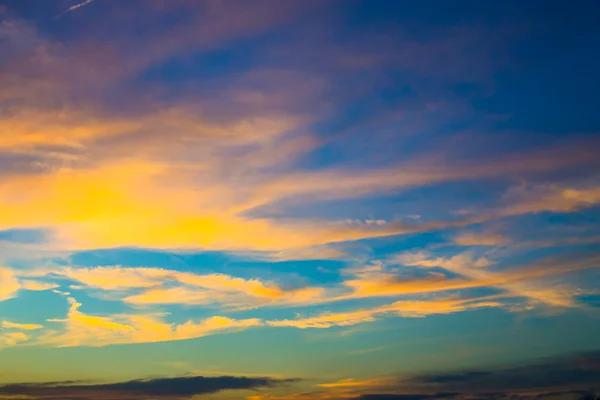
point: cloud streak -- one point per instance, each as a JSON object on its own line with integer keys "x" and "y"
{"x": 73, "y": 8}
{"x": 80, "y": 329}
{"x": 157, "y": 388}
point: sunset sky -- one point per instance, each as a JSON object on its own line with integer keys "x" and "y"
{"x": 299, "y": 199}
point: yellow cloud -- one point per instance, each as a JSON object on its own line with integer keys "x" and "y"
{"x": 349, "y": 388}
{"x": 174, "y": 177}
{"x": 226, "y": 283}
{"x": 9, "y": 284}
{"x": 526, "y": 281}
{"x": 79, "y": 329}
{"x": 329, "y": 320}
{"x": 237, "y": 299}
{"x": 354, "y": 383}
{"x": 160, "y": 286}
{"x": 12, "y": 338}
{"x": 29, "y": 284}
{"x": 25, "y": 327}
{"x": 192, "y": 187}
{"x": 403, "y": 308}
{"x": 183, "y": 287}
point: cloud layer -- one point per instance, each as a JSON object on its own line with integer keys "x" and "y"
{"x": 158, "y": 388}
{"x": 374, "y": 196}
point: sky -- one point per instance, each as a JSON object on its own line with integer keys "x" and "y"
{"x": 300, "y": 199}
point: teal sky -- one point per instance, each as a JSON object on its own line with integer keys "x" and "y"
{"x": 303, "y": 199}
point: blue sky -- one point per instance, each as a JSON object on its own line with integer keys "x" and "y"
{"x": 299, "y": 200}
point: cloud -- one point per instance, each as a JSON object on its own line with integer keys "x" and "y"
{"x": 553, "y": 198}
{"x": 9, "y": 339}
{"x": 377, "y": 281}
{"x": 481, "y": 239}
{"x": 9, "y": 284}
{"x": 559, "y": 395}
{"x": 423, "y": 284}
{"x": 167, "y": 221}
{"x": 161, "y": 286}
{"x": 63, "y": 71}
{"x": 566, "y": 377}
{"x": 576, "y": 371}
{"x": 156, "y": 388}
{"x": 73, "y": 7}
{"x": 116, "y": 179}
{"x": 26, "y": 327}
{"x": 194, "y": 187}
{"x": 31, "y": 284}
{"x": 536, "y": 281}
{"x": 80, "y": 329}
{"x": 420, "y": 274}
{"x": 404, "y": 308}
{"x": 528, "y": 281}
{"x": 432, "y": 396}
{"x": 200, "y": 168}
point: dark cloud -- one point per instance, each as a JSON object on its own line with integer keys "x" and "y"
{"x": 551, "y": 395}
{"x": 569, "y": 377}
{"x": 164, "y": 388}
{"x": 408, "y": 396}
{"x": 575, "y": 370}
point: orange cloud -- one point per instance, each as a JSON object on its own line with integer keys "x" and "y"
{"x": 386, "y": 284}
{"x": 481, "y": 239}
{"x": 551, "y": 198}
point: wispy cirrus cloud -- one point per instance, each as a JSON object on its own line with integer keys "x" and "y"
{"x": 527, "y": 282}
{"x": 405, "y": 308}
{"x": 218, "y": 170}
{"x": 73, "y": 8}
